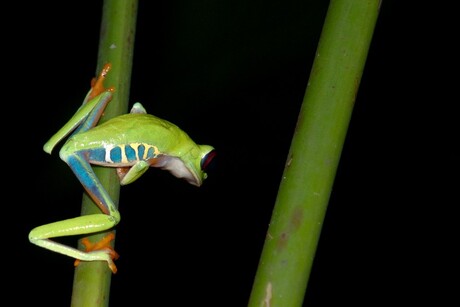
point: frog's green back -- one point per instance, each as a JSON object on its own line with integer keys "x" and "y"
{"x": 133, "y": 128}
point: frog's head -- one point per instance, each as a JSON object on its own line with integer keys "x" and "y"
{"x": 191, "y": 166}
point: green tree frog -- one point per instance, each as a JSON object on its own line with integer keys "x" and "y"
{"x": 131, "y": 143}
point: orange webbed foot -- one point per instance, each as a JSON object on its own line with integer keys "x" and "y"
{"x": 103, "y": 244}
{"x": 97, "y": 85}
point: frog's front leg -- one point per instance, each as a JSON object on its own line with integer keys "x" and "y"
{"x": 82, "y": 225}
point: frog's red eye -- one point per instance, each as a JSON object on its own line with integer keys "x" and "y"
{"x": 206, "y": 160}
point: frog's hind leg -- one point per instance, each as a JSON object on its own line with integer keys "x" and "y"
{"x": 85, "y": 174}
{"x": 84, "y": 119}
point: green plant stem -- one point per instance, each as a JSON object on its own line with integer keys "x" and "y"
{"x": 91, "y": 285}
{"x": 306, "y": 185}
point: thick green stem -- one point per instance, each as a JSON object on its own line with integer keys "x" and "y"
{"x": 306, "y": 185}
{"x": 92, "y": 279}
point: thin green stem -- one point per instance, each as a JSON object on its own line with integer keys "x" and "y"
{"x": 306, "y": 185}
{"x": 92, "y": 279}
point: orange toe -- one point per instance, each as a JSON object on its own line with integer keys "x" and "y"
{"x": 97, "y": 84}
{"x": 103, "y": 243}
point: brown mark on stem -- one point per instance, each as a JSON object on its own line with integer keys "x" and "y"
{"x": 295, "y": 222}
{"x": 268, "y": 295}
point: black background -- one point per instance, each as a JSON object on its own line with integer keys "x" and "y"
{"x": 233, "y": 74}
